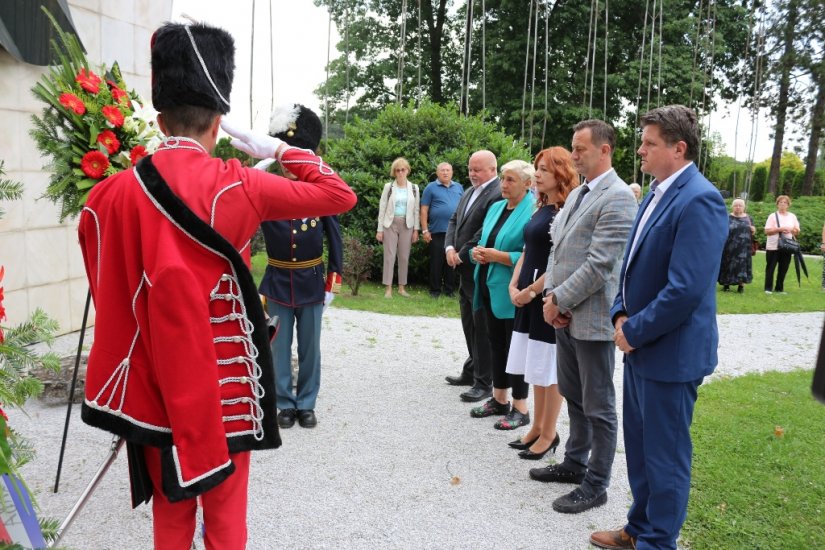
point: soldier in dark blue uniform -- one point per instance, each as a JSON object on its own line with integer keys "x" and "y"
{"x": 294, "y": 284}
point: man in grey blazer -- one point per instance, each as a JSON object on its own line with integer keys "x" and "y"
{"x": 463, "y": 233}
{"x": 589, "y": 235}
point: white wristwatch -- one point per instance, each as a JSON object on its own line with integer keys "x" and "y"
{"x": 532, "y": 293}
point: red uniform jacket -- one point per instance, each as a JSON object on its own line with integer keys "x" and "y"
{"x": 180, "y": 359}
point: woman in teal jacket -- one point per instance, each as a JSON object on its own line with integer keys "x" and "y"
{"x": 498, "y": 250}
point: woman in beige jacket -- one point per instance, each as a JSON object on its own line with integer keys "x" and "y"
{"x": 398, "y": 224}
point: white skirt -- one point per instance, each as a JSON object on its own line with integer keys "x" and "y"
{"x": 534, "y": 359}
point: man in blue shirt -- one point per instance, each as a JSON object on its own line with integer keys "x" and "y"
{"x": 438, "y": 202}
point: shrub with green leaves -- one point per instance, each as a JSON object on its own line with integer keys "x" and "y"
{"x": 425, "y": 136}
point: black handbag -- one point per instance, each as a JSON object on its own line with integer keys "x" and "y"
{"x": 789, "y": 245}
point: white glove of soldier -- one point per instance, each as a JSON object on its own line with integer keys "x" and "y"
{"x": 328, "y": 297}
{"x": 254, "y": 145}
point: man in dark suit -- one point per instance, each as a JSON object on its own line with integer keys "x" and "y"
{"x": 664, "y": 316}
{"x": 582, "y": 277}
{"x": 463, "y": 233}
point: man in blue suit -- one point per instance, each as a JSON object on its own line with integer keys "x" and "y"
{"x": 665, "y": 323}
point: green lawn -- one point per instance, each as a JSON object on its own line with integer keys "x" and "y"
{"x": 759, "y": 465}
{"x": 809, "y": 297}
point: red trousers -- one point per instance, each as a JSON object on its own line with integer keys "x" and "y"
{"x": 224, "y": 510}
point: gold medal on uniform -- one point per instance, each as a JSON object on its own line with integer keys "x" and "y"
{"x": 303, "y": 227}
{"x": 313, "y": 223}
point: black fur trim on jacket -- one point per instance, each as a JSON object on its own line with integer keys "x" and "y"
{"x": 201, "y": 231}
{"x": 174, "y": 491}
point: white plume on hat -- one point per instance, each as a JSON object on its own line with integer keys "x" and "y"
{"x": 283, "y": 117}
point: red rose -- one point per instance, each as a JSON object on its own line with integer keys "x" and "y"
{"x": 109, "y": 140}
{"x": 72, "y": 102}
{"x": 119, "y": 95}
{"x": 94, "y": 164}
{"x": 113, "y": 115}
{"x": 89, "y": 81}
{"x": 138, "y": 152}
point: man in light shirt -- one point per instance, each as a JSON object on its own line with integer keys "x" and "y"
{"x": 664, "y": 316}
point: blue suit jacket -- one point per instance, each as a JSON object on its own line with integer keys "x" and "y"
{"x": 510, "y": 239}
{"x": 299, "y": 241}
{"x": 667, "y": 287}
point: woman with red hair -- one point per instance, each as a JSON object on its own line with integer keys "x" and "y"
{"x": 533, "y": 346}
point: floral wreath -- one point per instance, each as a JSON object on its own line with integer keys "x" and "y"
{"x": 91, "y": 127}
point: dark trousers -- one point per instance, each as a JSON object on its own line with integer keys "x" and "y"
{"x": 439, "y": 270}
{"x": 500, "y": 332}
{"x": 783, "y": 259}
{"x": 585, "y": 370}
{"x": 474, "y": 323}
{"x": 656, "y": 420}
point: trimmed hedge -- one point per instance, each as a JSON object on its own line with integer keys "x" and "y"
{"x": 425, "y": 136}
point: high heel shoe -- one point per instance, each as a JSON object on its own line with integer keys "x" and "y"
{"x": 522, "y": 445}
{"x": 527, "y": 454}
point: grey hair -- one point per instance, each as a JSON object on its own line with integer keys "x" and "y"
{"x": 524, "y": 169}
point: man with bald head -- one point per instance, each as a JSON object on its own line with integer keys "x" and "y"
{"x": 463, "y": 233}
{"x": 438, "y": 202}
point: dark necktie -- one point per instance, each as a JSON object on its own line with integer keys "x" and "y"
{"x": 576, "y": 204}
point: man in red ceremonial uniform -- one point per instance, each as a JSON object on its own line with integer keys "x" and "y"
{"x": 181, "y": 366}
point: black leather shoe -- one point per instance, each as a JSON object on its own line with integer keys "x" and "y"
{"x": 520, "y": 444}
{"x": 527, "y": 454}
{"x": 576, "y": 501}
{"x": 462, "y": 380}
{"x": 286, "y": 418}
{"x": 306, "y": 418}
{"x": 556, "y": 474}
{"x": 490, "y": 407}
{"x": 476, "y": 394}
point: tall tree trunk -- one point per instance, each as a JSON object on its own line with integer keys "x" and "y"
{"x": 435, "y": 25}
{"x": 786, "y": 63}
{"x": 816, "y": 131}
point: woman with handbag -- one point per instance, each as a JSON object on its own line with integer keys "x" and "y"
{"x": 781, "y": 229}
{"x": 736, "y": 267}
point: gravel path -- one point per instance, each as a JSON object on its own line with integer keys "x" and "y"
{"x": 376, "y": 472}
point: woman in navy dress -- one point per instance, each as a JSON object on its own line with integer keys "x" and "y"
{"x": 533, "y": 346}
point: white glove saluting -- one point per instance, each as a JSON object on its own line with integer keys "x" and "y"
{"x": 254, "y": 145}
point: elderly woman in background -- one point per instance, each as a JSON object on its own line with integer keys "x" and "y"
{"x": 533, "y": 345}
{"x": 498, "y": 250}
{"x": 398, "y": 224}
{"x": 736, "y": 266}
{"x": 783, "y": 222}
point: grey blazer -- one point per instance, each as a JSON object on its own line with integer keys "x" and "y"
{"x": 584, "y": 263}
{"x": 464, "y": 231}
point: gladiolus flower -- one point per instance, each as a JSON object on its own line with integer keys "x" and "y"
{"x": 109, "y": 140}
{"x": 94, "y": 164}
{"x": 113, "y": 115}
{"x": 72, "y": 102}
{"x": 138, "y": 152}
{"x": 89, "y": 81}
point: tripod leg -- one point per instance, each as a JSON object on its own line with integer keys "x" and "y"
{"x": 71, "y": 391}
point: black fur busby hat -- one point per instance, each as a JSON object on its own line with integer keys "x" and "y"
{"x": 192, "y": 65}
{"x": 297, "y": 125}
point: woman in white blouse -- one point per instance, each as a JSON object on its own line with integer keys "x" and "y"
{"x": 785, "y": 223}
{"x": 398, "y": 224}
